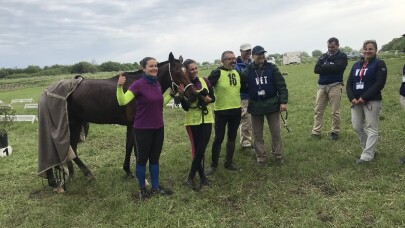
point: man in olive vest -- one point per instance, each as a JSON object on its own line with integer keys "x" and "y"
{"x": 226, "y": 83}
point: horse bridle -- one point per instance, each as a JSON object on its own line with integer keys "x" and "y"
{"x": 174, "y": 83}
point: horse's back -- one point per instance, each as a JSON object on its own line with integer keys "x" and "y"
{"x": 94, "y": 100}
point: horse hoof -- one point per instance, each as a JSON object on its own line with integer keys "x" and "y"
{"x": 91, "y": 178}
{"x": 126, "y": 169}
{"x": 52, "y": 184}
{"x": 59, "y": 189}
{"x": 129, "y": 175}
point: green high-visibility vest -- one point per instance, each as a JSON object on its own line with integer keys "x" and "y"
{"x": 227, "y": 90}
{"x": 194, "y": 114}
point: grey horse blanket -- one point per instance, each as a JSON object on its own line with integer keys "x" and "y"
{"x": 53, "y": 126}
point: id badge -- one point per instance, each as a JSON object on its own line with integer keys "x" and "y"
{"x": 403, "y": 78}
{"x": 360, "y": 85}
{"x": 261, "y": 93}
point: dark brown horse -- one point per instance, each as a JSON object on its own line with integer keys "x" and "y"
{"x": 94, "y": 101}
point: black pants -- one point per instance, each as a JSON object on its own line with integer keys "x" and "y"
{"x": 199, "y": 137}
{"x": 148, "y": 145}
{"x": 221, "y": 121}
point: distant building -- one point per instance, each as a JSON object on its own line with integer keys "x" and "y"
{"x": 354, "y": 55}
{"x": 292, "y": 58}
{"x": 271, "y": 60}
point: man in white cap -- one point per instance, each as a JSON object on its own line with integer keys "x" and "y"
{"x": 245, "y": 128}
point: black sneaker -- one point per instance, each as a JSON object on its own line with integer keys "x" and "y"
{"x": 190, "y": 183}
{"x": 247, "y": 147}
{"x": 161, "y": 191}
{"x": 143, "y": 193}
{"x": 334, "y": 136}
{"x": 211, "y": 170}
{"x": 361, "y": 161}
{"x": 231, "y": 166}
{"x": 279, "y": 160}
{"x": 314, "y": 136}
{"x": 205, "y": 182}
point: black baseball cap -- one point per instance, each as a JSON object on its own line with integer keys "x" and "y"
{"x": 257, "y": 50}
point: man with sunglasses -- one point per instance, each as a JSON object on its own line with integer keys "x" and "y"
{"x": 226, "y": 82}
{"x": 268, "y": 96}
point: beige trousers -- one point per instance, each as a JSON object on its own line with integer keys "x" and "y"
{"x": 245, "y": 128}
{"x": 332, "y": 95}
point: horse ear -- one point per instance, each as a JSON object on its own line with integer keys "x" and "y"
{"x": 171, "y": 57}
{"x": 181, "y": 59}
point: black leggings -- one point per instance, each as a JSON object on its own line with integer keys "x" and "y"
{"x": 199, "y": 137}
{"x": 221, "y": 121}
{"x": 148, "y": 145}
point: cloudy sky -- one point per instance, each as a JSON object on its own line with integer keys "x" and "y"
{"x": 48, "y": 32}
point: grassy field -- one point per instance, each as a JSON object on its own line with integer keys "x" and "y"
{"x": 319, "y": 186}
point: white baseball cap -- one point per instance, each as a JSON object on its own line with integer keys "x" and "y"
{"x": 245, "y": 47}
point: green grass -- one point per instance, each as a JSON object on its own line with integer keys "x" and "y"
{"x": 319, "y": 186}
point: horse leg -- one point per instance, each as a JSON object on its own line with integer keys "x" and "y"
{"x": 51, "y": 178}
{"x": 86, "y": 127}
{"x": 70, "y": 168}
{"x": 128, "y": 149}
{"x": 75, "y": 128}
{"x": 86, "y": 171}
{"x": 84, "y": 132}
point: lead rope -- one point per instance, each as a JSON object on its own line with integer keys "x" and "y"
{"x": 285, "y": 120}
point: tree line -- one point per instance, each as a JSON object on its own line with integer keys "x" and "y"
{"x": 78, "y": 68}
{"x": 395, "y": 48}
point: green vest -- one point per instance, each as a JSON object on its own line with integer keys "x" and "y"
{"x": 227, "y": 90}
{"x": 194, "y": 114}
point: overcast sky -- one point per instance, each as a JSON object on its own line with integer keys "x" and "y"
{"x": 45, "y": 32}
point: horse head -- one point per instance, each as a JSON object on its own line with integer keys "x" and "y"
{"x": 178, "y": 76}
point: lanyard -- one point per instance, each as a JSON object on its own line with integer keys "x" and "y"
{"x": 362, "y": 71}
{"x": 259, "y": 77}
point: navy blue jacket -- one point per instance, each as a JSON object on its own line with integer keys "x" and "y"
{"x": 240, "y": 66}
{"x": 268, "y": 79}
{"x": 402, "y": 89}
{"x": 261, "y": 80}
{"x": 331, "y": 68}
{"x": 375, "y": 75}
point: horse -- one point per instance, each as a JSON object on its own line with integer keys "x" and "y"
{"x": 94, "y": 101}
